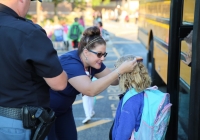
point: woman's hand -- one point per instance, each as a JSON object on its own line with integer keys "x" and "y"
{"x": 189, "y": 47}
{"x": 187, "y": 60}
{"x": 127, "y": 66}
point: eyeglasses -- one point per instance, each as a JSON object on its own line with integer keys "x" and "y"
{"x": 99, "y": 55}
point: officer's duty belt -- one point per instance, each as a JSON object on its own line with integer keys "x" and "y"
{"x": 13, "y": 113}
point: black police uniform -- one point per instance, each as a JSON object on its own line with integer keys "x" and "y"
{"x": 26, "y": 56}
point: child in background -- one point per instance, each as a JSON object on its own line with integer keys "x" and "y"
{"x": 128, "y": 118}
{"x": 74, "y": 33}
{"x": 88, "y": 106}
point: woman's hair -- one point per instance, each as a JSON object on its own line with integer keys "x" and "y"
{"x": 90, "y": 39}
{"x": 137, "y": 79}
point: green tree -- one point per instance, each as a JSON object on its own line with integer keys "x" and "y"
{"x": 100, "y": 2}
{"x": 96, "y": 2}
{"x": 80, "y": 4}
{"x": 105, "y": 2}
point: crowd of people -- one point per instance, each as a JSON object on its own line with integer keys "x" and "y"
{"x": 61, "y": 33}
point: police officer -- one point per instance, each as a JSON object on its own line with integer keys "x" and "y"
{"x": 28, "y": 67}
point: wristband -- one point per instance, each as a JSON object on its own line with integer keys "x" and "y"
{"x": 119, "y": 75}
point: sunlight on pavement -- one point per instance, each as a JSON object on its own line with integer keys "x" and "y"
{"x": 116, "y": 52}
{"x": 80, "y": 101}
{"x": 94, "y": 124}
{"x": 126, "y": 32}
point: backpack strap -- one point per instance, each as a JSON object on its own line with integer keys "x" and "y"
{"x": 153, "y": 88}
{"x": 128, "y": 95}
{"x": 133, "y": 92}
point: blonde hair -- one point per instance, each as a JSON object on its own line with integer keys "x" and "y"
{"x": 137, "y": 79}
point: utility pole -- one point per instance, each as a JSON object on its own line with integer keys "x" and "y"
{"x": 38, "y": 7}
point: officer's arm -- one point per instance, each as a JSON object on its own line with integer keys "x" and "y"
{"x": 57, "y": 83}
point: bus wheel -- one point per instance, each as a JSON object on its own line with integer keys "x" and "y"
{"x": 156, "y": 80}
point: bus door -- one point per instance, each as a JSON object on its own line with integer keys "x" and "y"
{"x": 185, "y": 115}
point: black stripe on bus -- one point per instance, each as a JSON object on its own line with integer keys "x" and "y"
{"x": 158, "y": 19}
{"x": 162, "y": 20}
{"x": 184, "y": 85}
{"x": 158, "y": 40}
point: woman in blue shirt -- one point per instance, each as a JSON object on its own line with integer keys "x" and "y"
{"x": 88, "y": 58}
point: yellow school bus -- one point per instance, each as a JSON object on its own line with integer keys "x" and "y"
{"x": 153, "y": 33}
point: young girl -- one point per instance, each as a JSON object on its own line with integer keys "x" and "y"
{"x": 88, "y": 106}
{"x": 128, "y": 118}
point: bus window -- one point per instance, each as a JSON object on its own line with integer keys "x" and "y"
{"x": 188, "y": 12}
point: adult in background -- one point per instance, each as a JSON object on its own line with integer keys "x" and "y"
{"x": 29, "y": 66}
{"x": 75, "y": 33}
{"x": 104, "y": 33}
{"x": 188, "y": 56}
{"x": 82, "y": 65}
{"x": 100, "y": 25}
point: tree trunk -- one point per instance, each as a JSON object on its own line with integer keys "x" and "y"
{"x": 55, "y": 9}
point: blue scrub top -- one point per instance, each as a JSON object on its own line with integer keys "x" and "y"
{"x": 61, "y": 101}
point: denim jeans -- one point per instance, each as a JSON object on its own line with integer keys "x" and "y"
{"x": 11, "y": 129}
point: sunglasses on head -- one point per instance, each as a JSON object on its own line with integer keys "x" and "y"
{"x": 99, "y": 55}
